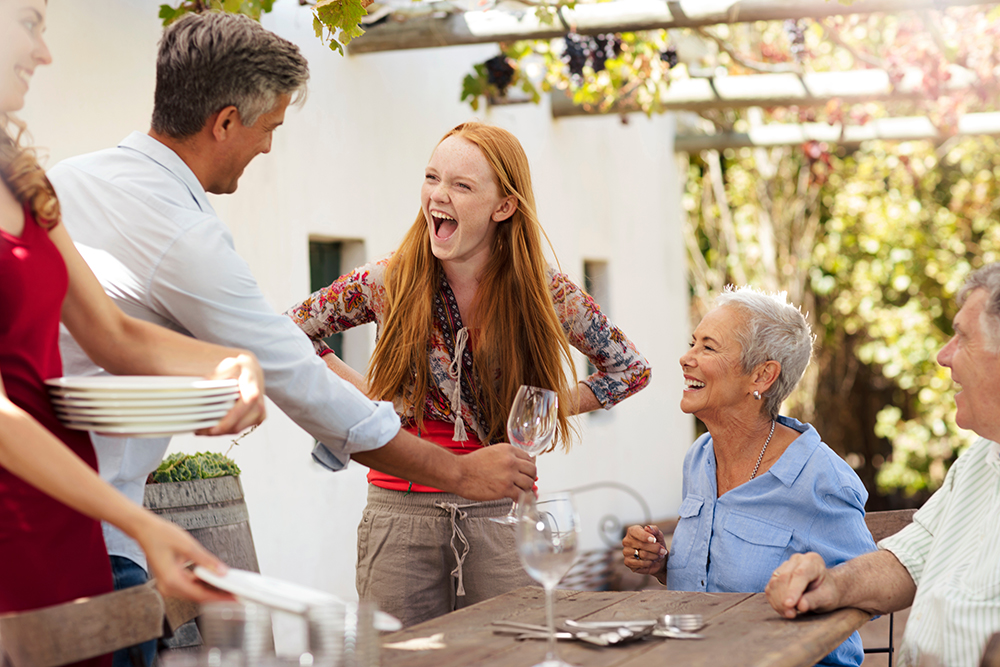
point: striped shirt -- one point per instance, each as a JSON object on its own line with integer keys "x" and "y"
{"x": 952, "y": 551}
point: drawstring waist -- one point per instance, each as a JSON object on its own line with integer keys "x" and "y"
{"x": 456, "y": 508}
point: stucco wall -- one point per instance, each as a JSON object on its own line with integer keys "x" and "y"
{"x": 349, "y": 165}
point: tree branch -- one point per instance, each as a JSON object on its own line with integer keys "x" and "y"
{"x": 749, "y": 64}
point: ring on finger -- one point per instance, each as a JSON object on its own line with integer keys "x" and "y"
{"x": 636, "y": 554}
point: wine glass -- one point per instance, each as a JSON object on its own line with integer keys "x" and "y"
{"x": 548, "y": 535}
{"x": 531, "y": 427}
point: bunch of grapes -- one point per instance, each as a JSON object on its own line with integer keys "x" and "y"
{"x": 500, "y": 72}
{"x": 604, "y": 47}
{"x": 797, "y": 36}
{"x": 669, "y": 57}
{"x": 576, "y": 55}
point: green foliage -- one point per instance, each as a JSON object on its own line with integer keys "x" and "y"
{"x": 179, "y": 467}
{"x": 479, "y": 85}
{"x": 874, "y": 243}
{"x": 337, "y": 22}
{"x": 252, "y": 8}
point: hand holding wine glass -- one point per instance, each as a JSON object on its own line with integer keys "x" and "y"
{"x": 548, "y": 536}
{"x": 531, "y": 426}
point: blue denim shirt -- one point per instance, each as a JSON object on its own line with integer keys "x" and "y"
{"x": 808, "y": 500}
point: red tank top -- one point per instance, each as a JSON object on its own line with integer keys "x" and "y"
{"x": 438, "y": 432}
{"x": 49, "y": 553}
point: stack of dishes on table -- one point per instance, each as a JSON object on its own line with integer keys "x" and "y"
{"x": 141, "y": 405}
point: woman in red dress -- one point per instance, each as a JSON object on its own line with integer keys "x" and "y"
{"x": 51, "y": 499}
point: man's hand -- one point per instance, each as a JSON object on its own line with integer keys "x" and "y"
{"x": 802, "y": 584}
{"x": 497, "y": 471}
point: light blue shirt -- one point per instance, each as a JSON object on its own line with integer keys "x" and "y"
{"x": 808, "y": 500}
{"x": 143, "y": 222}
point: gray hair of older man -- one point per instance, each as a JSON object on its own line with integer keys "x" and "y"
{"x": 987, "y": 278}
{"x": 774, "y": 330}
{"x": 213, "y": 60}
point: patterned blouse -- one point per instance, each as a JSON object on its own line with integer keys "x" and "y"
{"x": 359, "y": 298}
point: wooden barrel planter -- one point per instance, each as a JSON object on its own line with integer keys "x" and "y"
{"x": 215, "y": 513}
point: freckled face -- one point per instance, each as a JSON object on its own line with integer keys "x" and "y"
{"x": 22, "y": 49}
{"x": 975, "y": 367}
{"x": 462, "y": 203}
{"x": 713, "y": 378}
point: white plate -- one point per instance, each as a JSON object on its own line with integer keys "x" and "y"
{"x": 204, "y": 401}
{"x": 143, "y": 430}
{"x": 281, "y": 595}
{"x": 138, "y": 383}
{"x": 120, "y": 419}
{"x": 144, "y": 395}
{"x": 84, "y": 412}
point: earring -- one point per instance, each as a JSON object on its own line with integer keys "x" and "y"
{"x": 756, "y": 395}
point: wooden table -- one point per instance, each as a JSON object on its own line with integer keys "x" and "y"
{"x": 741, "y": 630}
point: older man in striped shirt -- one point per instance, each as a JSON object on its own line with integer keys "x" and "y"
{"x": 947, "y": 562}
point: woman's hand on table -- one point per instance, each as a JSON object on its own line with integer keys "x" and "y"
{"x": 169, "y": 552}
{"x": 249, "y": 409}
{"x": 645, "y": 551}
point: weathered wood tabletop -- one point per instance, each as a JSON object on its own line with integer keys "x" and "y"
{"x": 741, "y": 630}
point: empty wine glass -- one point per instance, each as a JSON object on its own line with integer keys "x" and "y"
{"x": 531, "y": 427}
{"x": 548, "y": 535}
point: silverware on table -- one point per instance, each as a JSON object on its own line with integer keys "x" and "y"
{"x": 605, "y": 637}
{"x": 674, "y": 626}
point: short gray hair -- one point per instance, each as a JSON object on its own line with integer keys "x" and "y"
{"x": 775, "y": 330}
{"x": 986, "y": 278}
{"x": 213, "y": 60}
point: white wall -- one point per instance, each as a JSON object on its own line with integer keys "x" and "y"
{"x": 349, "y": 165}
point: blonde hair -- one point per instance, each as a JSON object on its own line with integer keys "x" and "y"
{"x": 21, "y": 172}
{"x": 516, "y": 335}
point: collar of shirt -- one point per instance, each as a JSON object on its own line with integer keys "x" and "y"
{"x": 169, "y": 160}
{"x": 993, "y": 456}
{"x": 788, "y": 467}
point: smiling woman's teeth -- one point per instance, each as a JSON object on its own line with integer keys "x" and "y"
{"x": 23, "y": 74}
{"x": 693, "y": 384}
{"x": 444, "y": 225}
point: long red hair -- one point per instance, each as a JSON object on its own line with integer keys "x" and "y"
{"x": 516, "y": 335}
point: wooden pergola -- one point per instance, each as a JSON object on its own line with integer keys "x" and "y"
{"x": 438, "y": 24}
{"x": 421, "y": 26}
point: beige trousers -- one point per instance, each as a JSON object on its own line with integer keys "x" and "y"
{"x": 422, "y": 555}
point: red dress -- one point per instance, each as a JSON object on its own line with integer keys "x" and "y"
{"x": 49, "y": 553}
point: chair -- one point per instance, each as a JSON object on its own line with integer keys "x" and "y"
{"x": 991, "y": 654}
{"x": 602, "y": 569}
{"x": 89, "y": 627}
{"x": 881, "y": 525}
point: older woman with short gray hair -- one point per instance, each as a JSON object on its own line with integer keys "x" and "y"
{"x": 758, "y": 486}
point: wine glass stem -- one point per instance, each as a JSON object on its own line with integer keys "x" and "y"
{"x": 550, "y": 616}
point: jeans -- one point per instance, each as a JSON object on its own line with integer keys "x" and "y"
{"x": 128, "y": 573}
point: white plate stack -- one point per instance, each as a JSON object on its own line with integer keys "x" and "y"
{"x": 149, "y": 406}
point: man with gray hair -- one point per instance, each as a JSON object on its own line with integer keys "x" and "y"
{"x": 946, "y": 562}
{"x": 140, "y": 215}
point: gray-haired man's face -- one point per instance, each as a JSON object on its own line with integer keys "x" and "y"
{"x": 975, "y": 367}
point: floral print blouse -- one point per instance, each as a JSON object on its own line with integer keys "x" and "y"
{"x": 359, "y": 298}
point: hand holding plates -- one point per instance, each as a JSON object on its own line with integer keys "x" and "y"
{"x": 149, "y": 406}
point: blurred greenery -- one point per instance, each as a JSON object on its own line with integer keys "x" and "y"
{"x": 894, "y": 230}
{"x": 180, "y": 467}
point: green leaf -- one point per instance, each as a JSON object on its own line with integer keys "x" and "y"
{"x": 342, "y": 18}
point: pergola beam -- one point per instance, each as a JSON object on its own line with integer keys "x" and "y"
{"x": 886, "y": 129}
{"x": 498, "y": 25}
{"x": 781, "y": 90}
